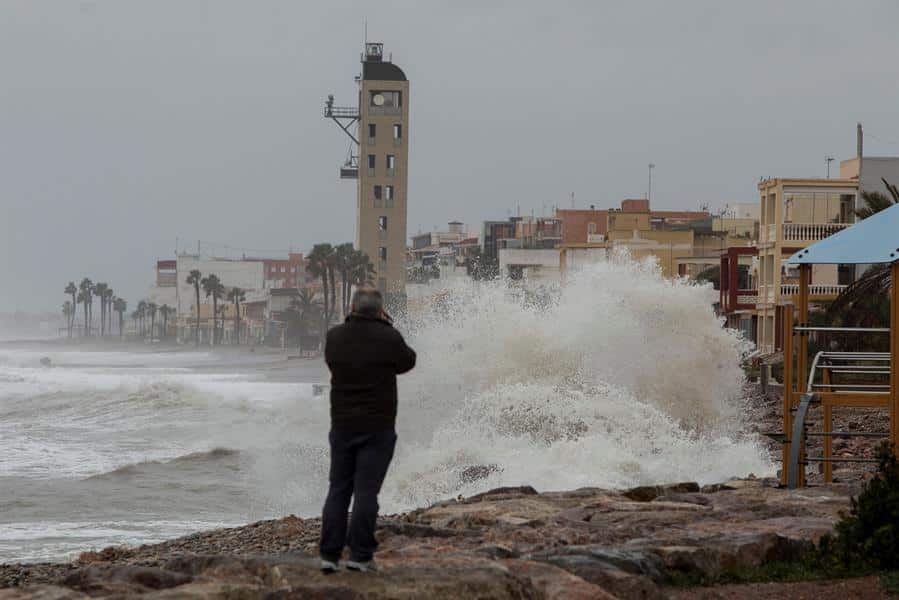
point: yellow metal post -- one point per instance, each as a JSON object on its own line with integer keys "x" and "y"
{"x": 787, "y": 326}
{"x": 894, "y": 358}
{"x": 805, "y": 277}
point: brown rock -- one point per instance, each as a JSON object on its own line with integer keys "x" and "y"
{"x": 646, "y": 493}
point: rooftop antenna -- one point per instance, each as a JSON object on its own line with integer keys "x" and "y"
{"x": 828, "y": 160}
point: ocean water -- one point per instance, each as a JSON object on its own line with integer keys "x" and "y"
{"x": 622, "y": 378}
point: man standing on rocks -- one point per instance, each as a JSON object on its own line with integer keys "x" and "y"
{"x": 365, "y": 354}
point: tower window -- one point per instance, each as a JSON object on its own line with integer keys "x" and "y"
{"x": 371, "y": 161}
{"x": 382, "y": 253}
{"x": 377, "y": 196}
{"x": 371, "y": 130}
{"x": 391, "y": 161}
{"x": 397, "y": 131}
{"x": 386, "y": 99}
{"x": 382, "y": 223}
{"x": 388, "y": 194}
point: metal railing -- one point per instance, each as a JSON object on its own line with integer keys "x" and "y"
{"x": 815, "y": 289}
{"x": 342, "y": 112}
{"x": 747, "y": 298}
{"x": 805, "y": 232}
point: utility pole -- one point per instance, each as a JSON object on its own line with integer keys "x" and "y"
{"x": 649, "y": 190}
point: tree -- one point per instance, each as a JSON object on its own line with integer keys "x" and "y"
{"x": 214, "y": 288}
{"x": 301, "y": 311}
{"x": 120, "y": 307}
{"x": 151, "y": 310}
{"x": 164, "y": 311}
{"x": 110, "y": 297}
{"x": 100, "y": 289}
{"x": 321, "y": 264}
{"x": 862, "y": 300}
{"x": 236, "y": 296}
{"x": 86, "y": 288}
{"x": 343, "y": 263}
{"x": 68, "y": 309}
{"x": 194, "y": 279}
{"x": 142, "y": 315}
{"x": 72, "y": 290}
{"x": 362, "y": 272}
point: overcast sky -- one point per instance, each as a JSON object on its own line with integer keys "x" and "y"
{"x": 125, "y": 125}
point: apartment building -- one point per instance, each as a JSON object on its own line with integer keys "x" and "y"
{"x": 794, "y": 214}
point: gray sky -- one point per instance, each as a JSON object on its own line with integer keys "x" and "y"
{"x": 126, "y": 124}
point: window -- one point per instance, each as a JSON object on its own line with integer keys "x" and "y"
{"x": 382, "y": 253}
{"x": 371, "y": 131}
{"x": 283, "y": 269}
{"x": 397, "y": 131}
{"x": 391, "y": 162}
{"x": 591, "y": 228}
{"x": 388, "y": 194}
{"x": 385, "y": 99}
{"x": 378, "y": 196}
{"x": 371, "y": 161}
{"x": 382, "y": 284}
{"x": 382, "y": 223}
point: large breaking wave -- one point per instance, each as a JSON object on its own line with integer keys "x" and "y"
{"x": 621, "y": 377}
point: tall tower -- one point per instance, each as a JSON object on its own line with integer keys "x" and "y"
{"x": 380, "y": 167}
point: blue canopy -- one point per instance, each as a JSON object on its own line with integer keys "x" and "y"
{"x": 872, "y": 240}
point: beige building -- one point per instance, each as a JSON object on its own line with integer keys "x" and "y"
{"x": 383, "y": 174}
{"x": 794, "y": 214}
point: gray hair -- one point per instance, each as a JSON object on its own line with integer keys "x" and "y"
{"x": 367, "y": 301}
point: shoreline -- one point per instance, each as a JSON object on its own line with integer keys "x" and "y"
{"x": 507, "y": 542}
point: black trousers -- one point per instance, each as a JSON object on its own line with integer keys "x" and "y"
{"x": 359, "y": 462}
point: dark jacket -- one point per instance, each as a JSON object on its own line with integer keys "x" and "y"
{"x": 365, "y": 355}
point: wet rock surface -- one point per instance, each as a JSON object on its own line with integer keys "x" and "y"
{"x": 505, "y": 543}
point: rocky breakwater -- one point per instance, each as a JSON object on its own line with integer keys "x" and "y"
{"x": 506, "y": 543}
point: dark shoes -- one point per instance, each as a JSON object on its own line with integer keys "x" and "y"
{"x": 329, "y": 566}
{"x": 367, "y": 566}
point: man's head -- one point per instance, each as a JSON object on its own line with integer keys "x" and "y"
{"x": 367, "y": 301}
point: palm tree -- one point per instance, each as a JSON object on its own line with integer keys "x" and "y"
{"x": 135, "y": 318}
{"x": 151, "y": 310}
{"x": 165, "y": 310}
{"x": 72, "y": 290}
{"x": 86, "y": 288}
{"x": 194, "y": 279}
{"x": 141, "y": 315}
{"x": 68, "y": 310}
{"x": 214, "y": 288}
{"x": 110, "y": 297}
{"x": 236, "y": 296}
{"x": 362, "y": 272}
{"x": 120, "y": 307}
{"x": 343, "y": 263}
{"x": 854, "y": 303}
{"x": 302, "y": 310}
{"x": 321, "y": 264}
{"x": 100, "y": 289}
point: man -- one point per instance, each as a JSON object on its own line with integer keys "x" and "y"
{"x": 365, "y": 355}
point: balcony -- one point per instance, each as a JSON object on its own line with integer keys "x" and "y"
{"x": 815, "y": 290}
{"x": 747, "y": 298}
{"x": 810, "y": 232}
